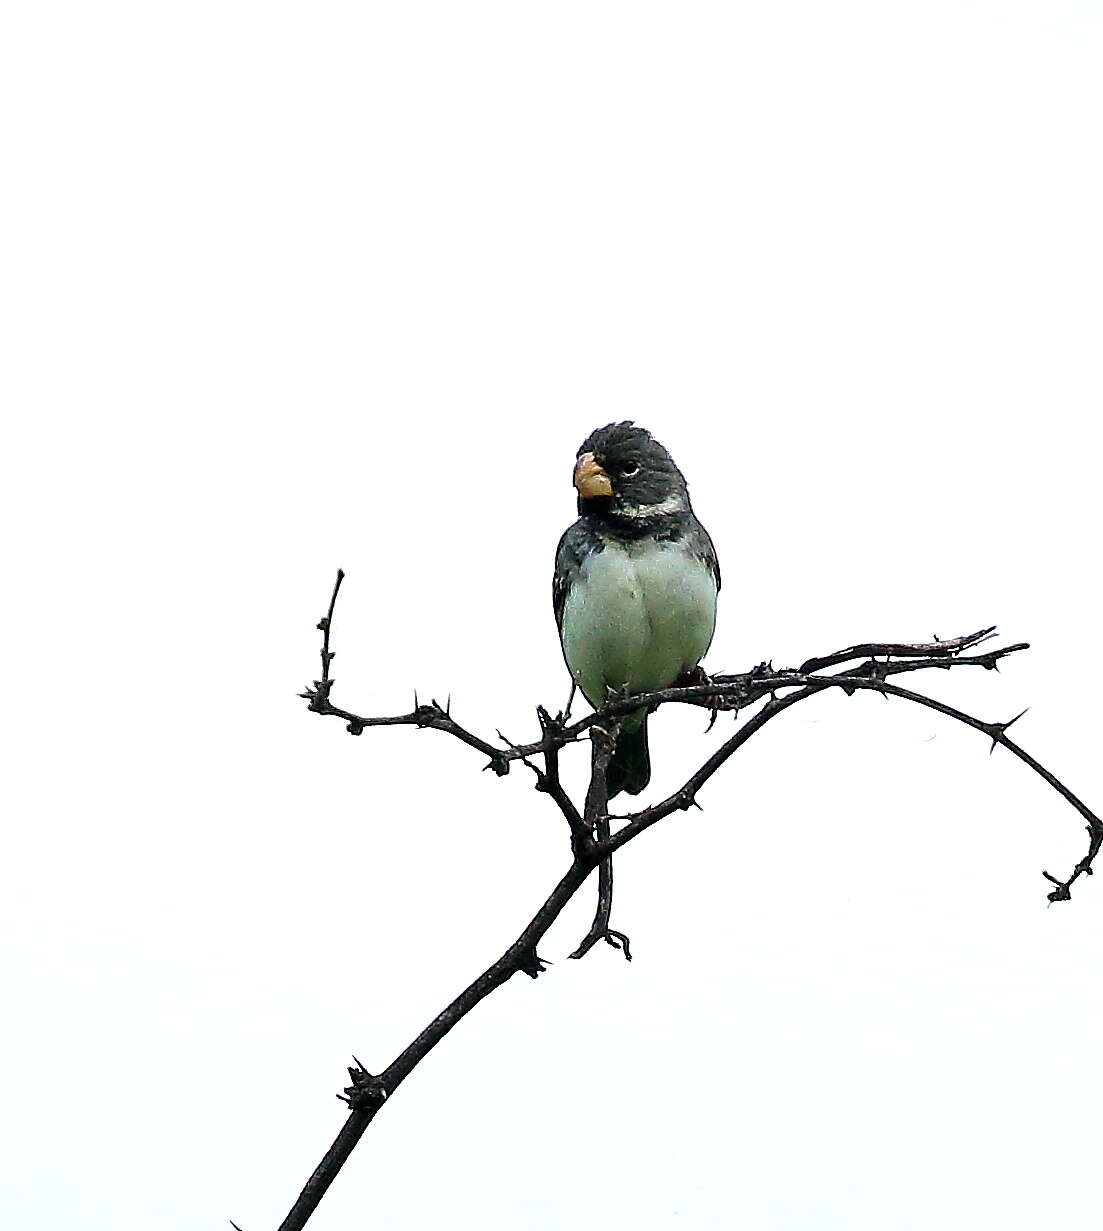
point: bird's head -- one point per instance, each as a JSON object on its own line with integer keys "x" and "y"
{"x": 623, "y": 472}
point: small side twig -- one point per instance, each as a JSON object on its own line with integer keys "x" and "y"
{"x": 549, "y": 782}
{"x": 322, "y": 687}
{"x": 898, "y": 649}
{"x": 434, "y": 715}
{"x": 603, "y": 741}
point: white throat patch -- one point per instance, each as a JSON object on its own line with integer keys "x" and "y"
{"x": 676, "y": 503}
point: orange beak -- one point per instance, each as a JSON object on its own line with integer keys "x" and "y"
{"x": 590, "y": 479}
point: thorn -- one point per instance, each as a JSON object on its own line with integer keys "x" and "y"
{"x": 234, "y": 1225}
{"x": 448, "y": 706}
{"x": 498, "y": 764}
{"x": 359, "y": 1065}
{"x": 999, "y": 728}
{"x": 533, "y": 965}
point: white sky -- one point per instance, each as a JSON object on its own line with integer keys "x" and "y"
{"x": 287, "y": 287}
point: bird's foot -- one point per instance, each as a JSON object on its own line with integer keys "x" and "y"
{"x": 695, "y": 675}
{"x": 699, "y": 677}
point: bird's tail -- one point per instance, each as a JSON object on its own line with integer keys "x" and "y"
{"x": 630, "y": 768}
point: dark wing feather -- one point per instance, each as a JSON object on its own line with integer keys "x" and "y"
{"x": 575, "y": 544}
{"x": 702, "y": 547}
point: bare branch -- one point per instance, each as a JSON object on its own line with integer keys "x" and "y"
{"x": 323, "y": 685}
{"x": 592, "y": 842}
{"x": 548, "y": 781}
{"x": 519, "y": 957}
{"x": 901, "y": 649}
{"x": 686, "y": 795}
{"x": 852, "y": 681}
{"x": 603, "y": 741}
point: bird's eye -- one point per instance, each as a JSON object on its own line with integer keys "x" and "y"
{"x": 629, "y": 469}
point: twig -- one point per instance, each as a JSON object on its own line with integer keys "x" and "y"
{"x": 899, "y": 649}
{"x": 548, "y": 781}
{"x": 324, "y": 685}
{"x": 603, "y": 743}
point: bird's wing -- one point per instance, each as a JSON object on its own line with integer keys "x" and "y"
{"x": 569, "y": 555}
{"x": 701, "y": 545}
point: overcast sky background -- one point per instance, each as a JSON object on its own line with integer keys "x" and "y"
{"x": 290, "y": 287}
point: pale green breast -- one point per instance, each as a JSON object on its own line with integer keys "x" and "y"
{"x": 637, "y": 616}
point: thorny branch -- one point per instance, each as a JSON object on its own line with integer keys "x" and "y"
{"x": 595, "y": 836}
{"x": 603, "y": 740}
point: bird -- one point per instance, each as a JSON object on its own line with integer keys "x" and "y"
{"x": 635, "y": 584}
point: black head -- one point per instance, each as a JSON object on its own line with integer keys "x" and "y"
{"x": 622, "y": 472}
